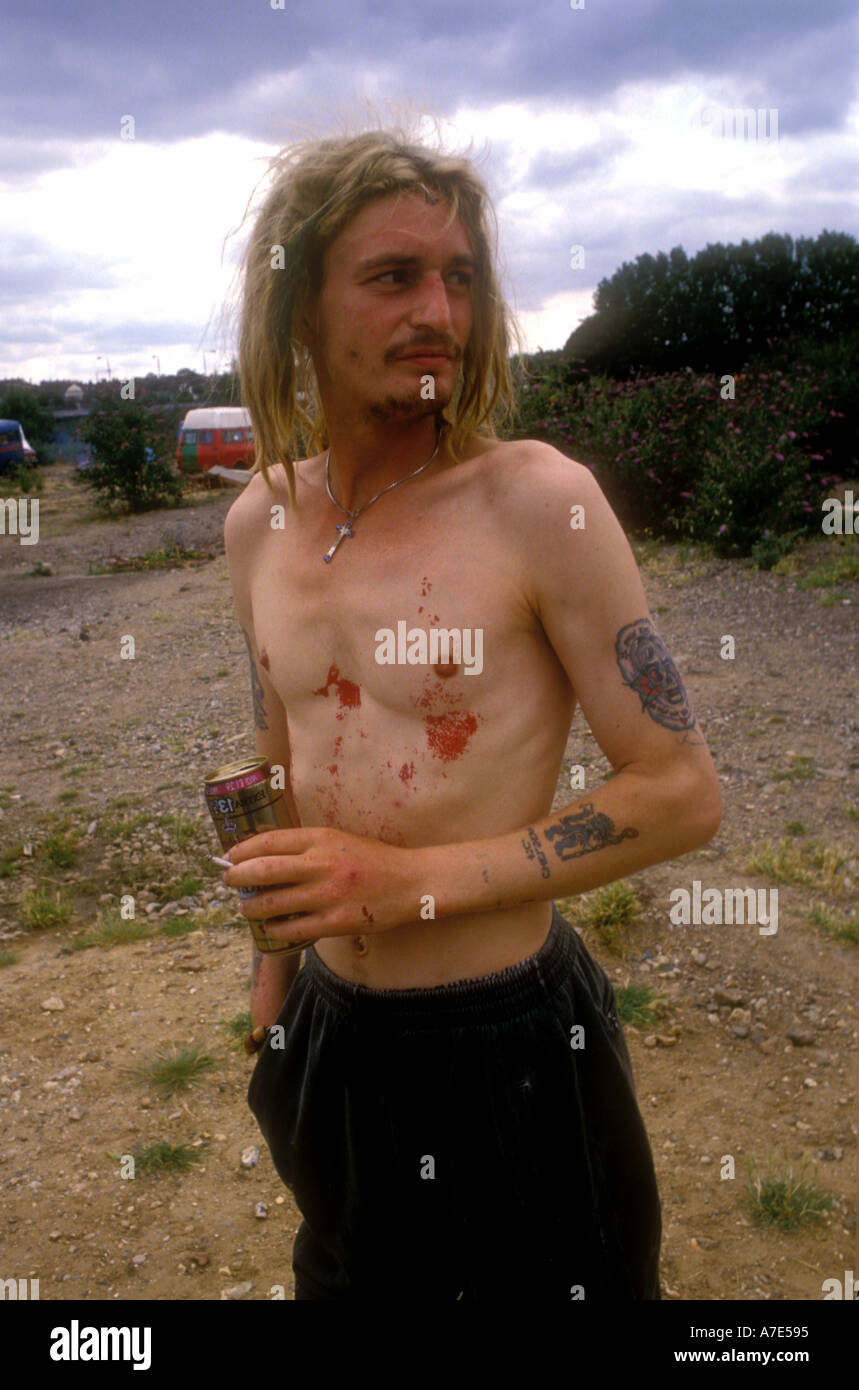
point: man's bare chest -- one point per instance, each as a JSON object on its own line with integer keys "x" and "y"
{"x": 396, "y": 611}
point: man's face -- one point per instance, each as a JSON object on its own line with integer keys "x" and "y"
{"x": 395, "y": 283}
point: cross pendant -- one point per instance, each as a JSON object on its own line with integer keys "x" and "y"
{"x": 345, "y": 530}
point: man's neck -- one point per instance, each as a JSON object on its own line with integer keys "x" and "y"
{"x": 366, "y": 457}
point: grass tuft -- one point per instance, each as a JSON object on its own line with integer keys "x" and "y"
{"x": 171, "y": 1072}
{"x": 786, "y": 1199}
{"x": 638, "y": 1005}
{"x": 162, "y": 1157}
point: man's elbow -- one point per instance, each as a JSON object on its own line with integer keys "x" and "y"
{"x": 701, "y": 807}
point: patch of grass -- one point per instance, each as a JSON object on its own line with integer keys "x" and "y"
{"x": 59, "y": 850}
{"x": 182, "y": 826}
{"x": 9, "y": 958}
{"x": 837, "y": 926}
{"x": 814, "y": 864}
{"x": 223, "y": 671}
{"x": 183, "y": 887}
{"x": 608, "y": 910}
{"x": 851, "y": 811}
{"x": 638, "y": 1005}
{"x": 77, "y": 769}
{"x": 837, "y": 569}
{"x": 777, "y": 719}
{"x": 800, "y": 771}
{"x": 785, "y": 1199}
{"x": 238, "y": 1027}
{"x": 161, "y": 1157}
{"x": 173, "y": 1071}
{"x": 178, "y": 926}
{"x": 9, "y": 860}
{"x": 121, "y": 827}
{"x": 167, "y": 557}
{"x": 795, "y": 827}
{"x": 42, "y": 909}
{"x": 112, "y": 930}
{"x": 68, "y": 796}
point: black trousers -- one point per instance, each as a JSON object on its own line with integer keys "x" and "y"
{"x": 480, "y": 1140}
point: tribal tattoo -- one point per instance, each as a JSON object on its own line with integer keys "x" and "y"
{"x": 257, "y": 691}
{"x": 647, "y": 667}
{"x": 534, "y": 850}
{"x": 585, "y": 830}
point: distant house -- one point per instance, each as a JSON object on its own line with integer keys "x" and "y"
{"x": 68, "y": 421}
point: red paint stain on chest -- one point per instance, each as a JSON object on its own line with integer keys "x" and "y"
{"x": 348, "y": 694}
{"x": 333, "y": 768}
{"x": 407, "y": 772}
{"x": 448, "y": 734}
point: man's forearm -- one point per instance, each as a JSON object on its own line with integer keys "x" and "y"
{"x": 271, "y": 977}
{"x": 634, "y": 821}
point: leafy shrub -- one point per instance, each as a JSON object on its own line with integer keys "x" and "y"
{"x": 132, "y": 456}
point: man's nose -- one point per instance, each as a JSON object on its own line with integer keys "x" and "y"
{"x": 431, "y": 307}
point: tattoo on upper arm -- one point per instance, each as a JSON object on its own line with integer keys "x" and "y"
{"x": 257, "y": 691}
{"x": 585, "y": 830}
{"x": 646, "y": 665}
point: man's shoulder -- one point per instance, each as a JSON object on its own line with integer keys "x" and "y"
{"x": 255, "y": 501}
{"x": 530, "y": 472}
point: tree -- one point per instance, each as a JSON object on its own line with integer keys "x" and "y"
{"x": 132, "y": 455}
{"x": 665, "y": 313}
{"x": 36, "y": 420}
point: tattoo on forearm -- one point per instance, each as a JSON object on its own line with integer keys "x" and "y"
{"x": 585, "y": 830}
{"x": 534, "y": 850}
{"x": 646, "y": 666}
{"x": 257, "y": 691}
{"x": 256, "y": 962}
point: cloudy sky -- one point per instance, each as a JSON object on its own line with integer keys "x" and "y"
{"x": 604, "y": 124}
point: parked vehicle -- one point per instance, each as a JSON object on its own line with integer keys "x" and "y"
{"x": 219, "y": 435}
{"x": 14, "y": 448}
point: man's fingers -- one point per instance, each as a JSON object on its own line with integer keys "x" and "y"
{"x": 271, "y": 842}
{"x": 267, "y": 873}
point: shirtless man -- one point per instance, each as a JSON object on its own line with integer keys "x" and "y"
{"x": 445, "y": 1130}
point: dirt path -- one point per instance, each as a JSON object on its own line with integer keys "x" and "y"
{"x": 758, "y": 1042}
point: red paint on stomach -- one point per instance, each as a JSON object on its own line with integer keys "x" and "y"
{"x": 407, "y": 772}
{"x": 448, "y": 734}
{"x": 348, "y": 693}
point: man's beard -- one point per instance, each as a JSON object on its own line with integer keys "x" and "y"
{"x": 404, "y": 408}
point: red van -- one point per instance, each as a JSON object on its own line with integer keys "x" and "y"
{"x": 217, "y": 435}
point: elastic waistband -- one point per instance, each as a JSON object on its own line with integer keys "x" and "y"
{"x": 488, "y": 999}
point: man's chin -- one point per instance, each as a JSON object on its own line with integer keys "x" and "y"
{"x": 405, "y": 408}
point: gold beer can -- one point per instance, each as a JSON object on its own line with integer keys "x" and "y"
{"x": 242, "y": 803}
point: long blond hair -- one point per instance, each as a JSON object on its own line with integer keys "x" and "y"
{"x": 318, "y": 187}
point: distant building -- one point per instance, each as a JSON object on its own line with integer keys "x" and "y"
{"x": 68, "y": 421}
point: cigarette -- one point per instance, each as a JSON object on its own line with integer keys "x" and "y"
{"x": 224, "y": 863}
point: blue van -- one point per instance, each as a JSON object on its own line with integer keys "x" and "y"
{"x": 14, "y": 448}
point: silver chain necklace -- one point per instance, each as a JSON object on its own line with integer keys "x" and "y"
{"x": 345, "y": 528}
